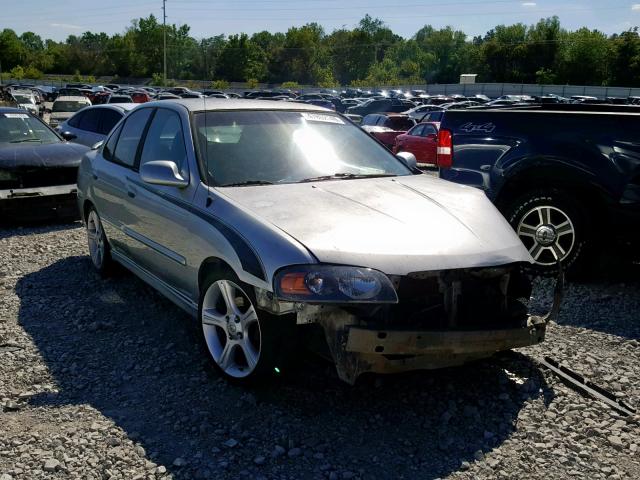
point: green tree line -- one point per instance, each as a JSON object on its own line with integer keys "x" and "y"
{"x": 369, "y": 54}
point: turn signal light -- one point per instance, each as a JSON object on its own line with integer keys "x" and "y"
{"x": 294, "y": 284}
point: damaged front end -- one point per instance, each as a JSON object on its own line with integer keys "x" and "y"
{"x": 35, "y": 193}
{"x": 442, "y": 319}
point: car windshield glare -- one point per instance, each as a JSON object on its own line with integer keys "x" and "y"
{"x": 269, "y": 147}
{"x": 23, "y": 128}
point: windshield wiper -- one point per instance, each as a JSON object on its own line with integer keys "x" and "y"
{"x": 248, "y": 183}
{"x": 23, "y": 140}
{"x": 346, "y": 176}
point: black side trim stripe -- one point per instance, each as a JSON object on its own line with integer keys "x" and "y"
{"x": 249, "y": 259}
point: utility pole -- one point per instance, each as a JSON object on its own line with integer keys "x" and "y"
{"x": 164, "y": 34}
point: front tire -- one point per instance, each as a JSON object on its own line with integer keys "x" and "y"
{"x": 553, "y": 227}
{"x": 245, "y": 343}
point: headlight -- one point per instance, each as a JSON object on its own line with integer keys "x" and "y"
{"x": 333, "y": 284}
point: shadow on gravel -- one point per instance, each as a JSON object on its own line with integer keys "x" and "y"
{"x": 121, "y": 348}
{"x": 608, "y": 300}
{"x": 15, "y": 229}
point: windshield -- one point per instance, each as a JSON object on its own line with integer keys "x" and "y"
{"x": 399, "y": 123}
{"x": 23, "y": 128}
{"x": 68, "y": 106}
{"x": 242, "y": 147}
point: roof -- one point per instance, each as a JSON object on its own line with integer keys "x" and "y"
{"x": 207, "y": 104}
{"x": 122, "y": 106}
{"x": 72, "y": 98}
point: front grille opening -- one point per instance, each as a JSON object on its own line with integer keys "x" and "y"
{"x": 460, "y": 300}
{"x": 37, "y": 177}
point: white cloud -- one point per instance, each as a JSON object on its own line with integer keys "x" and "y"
{"x": 635, "y": 7}
{"x": 66, "y": 25}
{"x": 529, "y": 4}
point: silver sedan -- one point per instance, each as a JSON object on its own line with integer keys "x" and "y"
{"x": 264, "y": 219}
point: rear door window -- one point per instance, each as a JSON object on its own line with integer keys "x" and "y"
{"x": 109, "y": 147}
{"x": 76, "y": 120}
{"x": 109, "y": 120}
{"x": 130, "y": 135}
{"x": 90, "y": 120}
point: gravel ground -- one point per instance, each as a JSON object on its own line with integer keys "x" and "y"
{"x": 103, "y": 379}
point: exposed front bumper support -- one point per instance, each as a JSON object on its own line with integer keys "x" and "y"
{"x": 357, "y": 349}
{"x": 15, "y": 193}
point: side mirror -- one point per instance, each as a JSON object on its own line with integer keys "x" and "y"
{"x": 409, "y": 159}
{"x": 162, "y": 172}
{"x": 68, "y": 136}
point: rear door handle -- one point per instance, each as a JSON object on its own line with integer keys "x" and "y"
{"x": 95, "y": 177}
{"x": 131, "y": 194}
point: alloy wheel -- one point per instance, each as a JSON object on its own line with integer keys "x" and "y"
{"x": 95, "y": 238}
{"x": 231, "y": 328}
{"x": 548, "y": 233}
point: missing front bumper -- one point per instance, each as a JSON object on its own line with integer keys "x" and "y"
{"x": 35, "y": 204}
{"x": 357, "y": 349}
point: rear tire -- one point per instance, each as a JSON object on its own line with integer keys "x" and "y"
{"x": 244, "y": 343}
{"x": 552, "y": 226}
{"x": 99, "y": 249}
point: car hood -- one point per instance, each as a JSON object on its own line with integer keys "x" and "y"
{"x": 396, "y": 225}
{"x": 52, "y": 155}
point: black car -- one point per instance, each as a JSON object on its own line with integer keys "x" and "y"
{"x": 388, "y": 105}
{"x": 566, "y": 176}
{"x": 38, "y": 169}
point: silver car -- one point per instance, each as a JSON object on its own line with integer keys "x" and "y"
{"x": 264, "y": 219}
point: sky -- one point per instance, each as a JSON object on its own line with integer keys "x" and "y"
{"x": 61, "y": 18}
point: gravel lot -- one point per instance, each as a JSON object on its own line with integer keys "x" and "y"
{"x": 103, "y": 379}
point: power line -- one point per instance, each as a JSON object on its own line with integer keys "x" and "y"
{"x": 164, "y": 38}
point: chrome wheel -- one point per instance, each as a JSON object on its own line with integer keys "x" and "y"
{"x": 96, "y": 239}
{"x": 231, "y": 328}
{"x": 548, "y": 233}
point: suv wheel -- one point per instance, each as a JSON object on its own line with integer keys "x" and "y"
{"x": 245, "y": 343}
{"x": 553, "y": 227}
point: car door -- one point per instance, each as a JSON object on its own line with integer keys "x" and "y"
{"x": 407, "y": 142}
{"x": 160, "y": 221}
{"x": 114, "y": 163}
{"x": 428, "y": 145}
